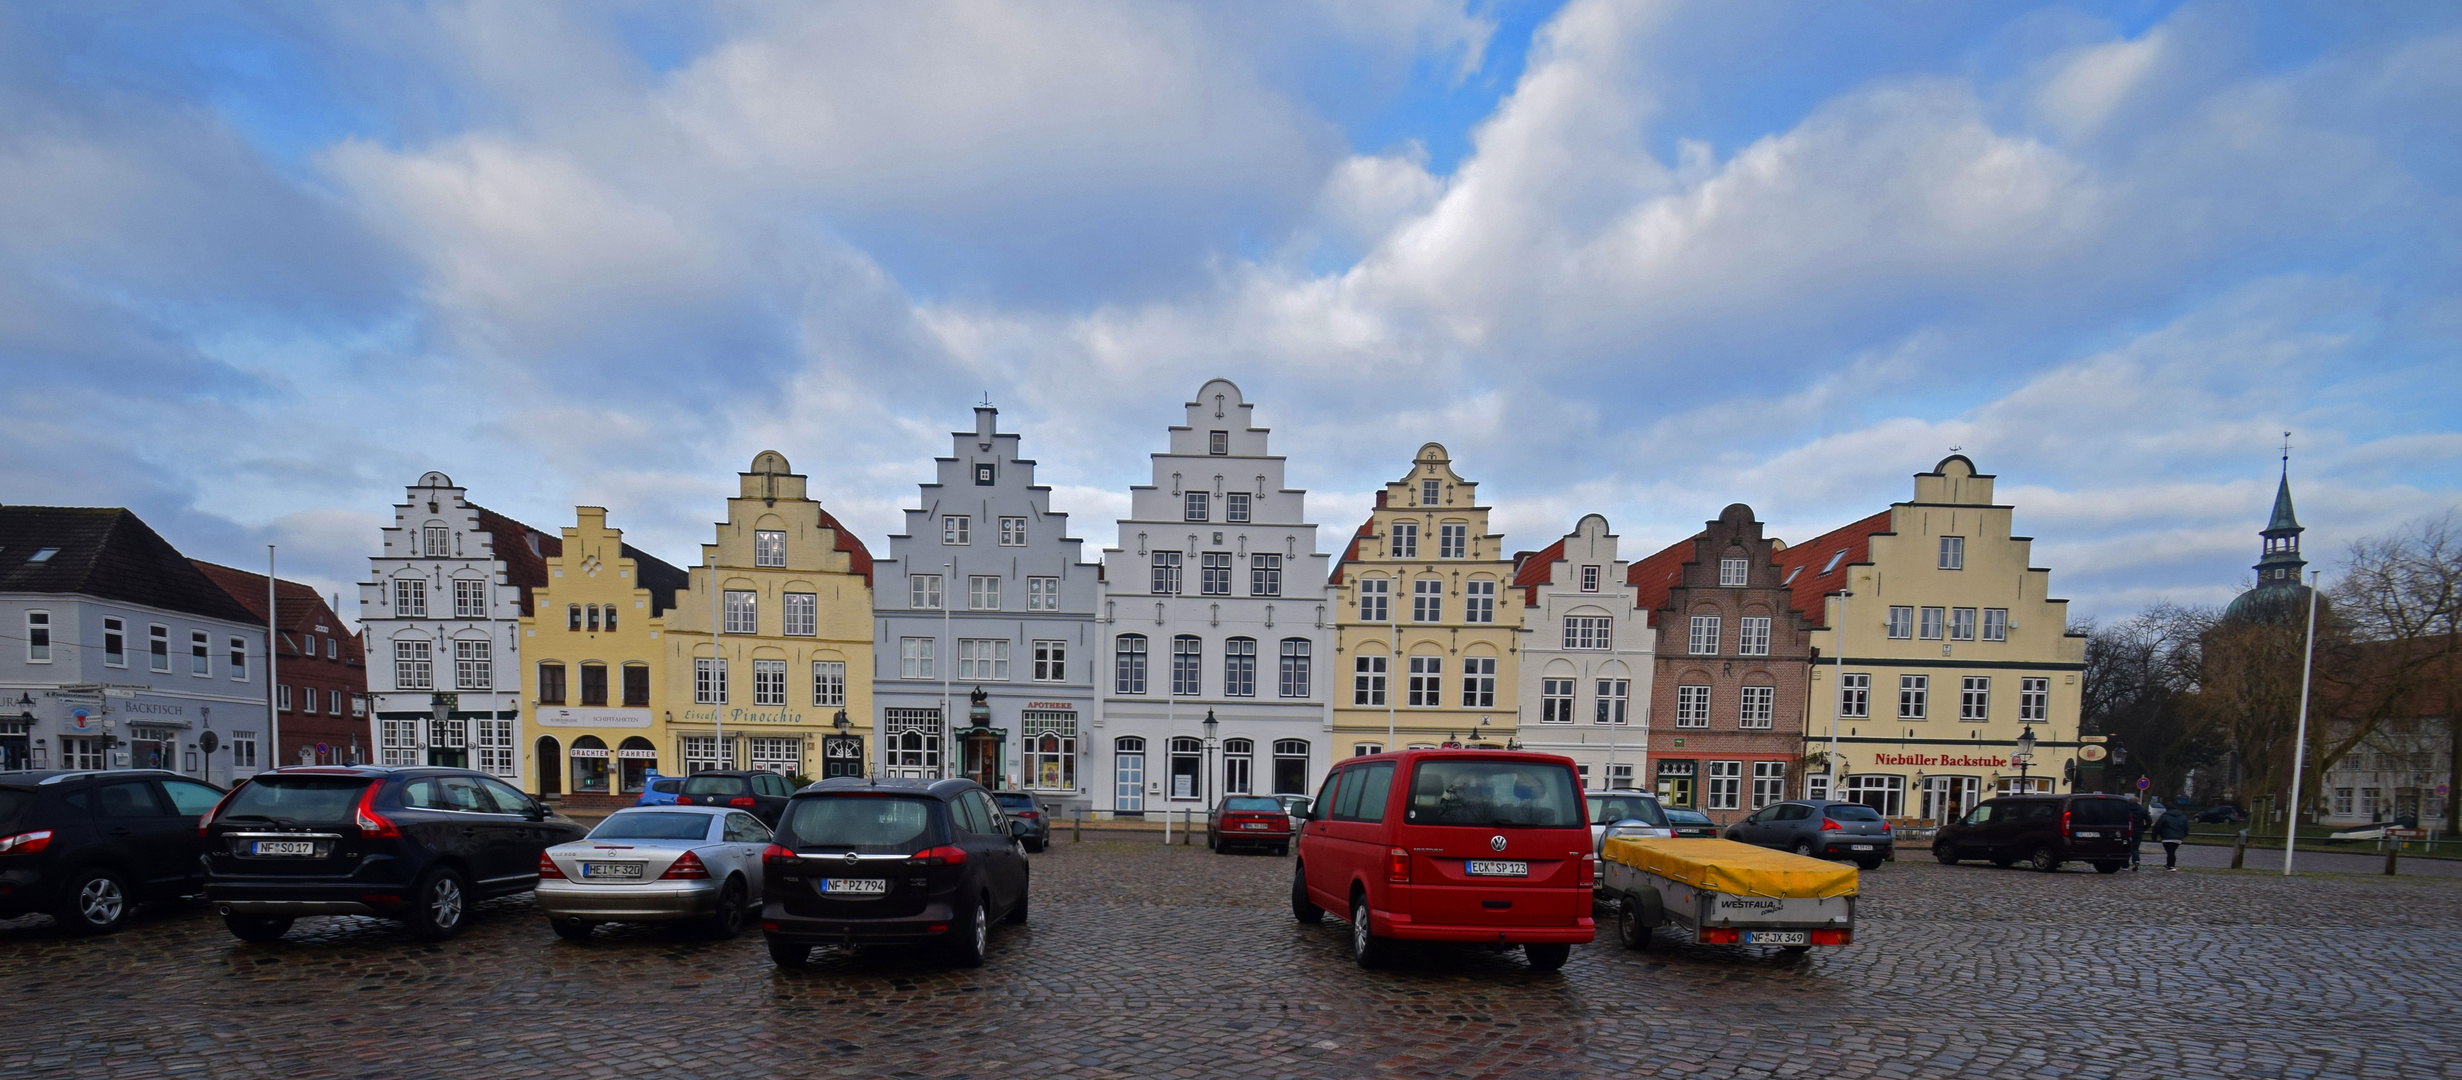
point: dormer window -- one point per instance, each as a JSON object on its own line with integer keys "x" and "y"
{"x": 1427, "y": 492}
{"x": 1589, "y": 579}
{"x": 1218, "y": 443}
{"x": 1734, "y": 573}
{"x": 42, "y": 555}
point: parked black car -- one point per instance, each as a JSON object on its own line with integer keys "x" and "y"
{"x": 1020, "y": 806}
{"x": 758, "y": 790}
{"x": 868, "y": 861}
{"x": 1820, "y": 828}
{"x": 2043, "y": 830}
{"x": 2220, "y": 815}
{"x": 88, "y": 847}
{"x": 420, "y": 844}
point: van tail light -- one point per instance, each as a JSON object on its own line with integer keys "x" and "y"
{"x": 1398, "y": 866}
{"x": 1832, "y": 937}
{"x": 944, "y": 855}
{"x": 1829, "y": 825}
{"x": 776, "y": 853}
{"x": 1589, "y": 871}
{"x": 743, "y": 802}
{"x": 688, "y": 868}
{"x": 1720, "y": 935}
{"x": 371, "y": 823}
{"x": 548, "y": 871}
{"x": 25, "y": 843}
{"x": 211, "y": 814}
{"x": 2064, "y": 823}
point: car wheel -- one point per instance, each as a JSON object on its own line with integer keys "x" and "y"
{"x": 728, "y": 921}
{"x": 1870, "y": 862}
{"x": 970, "y": 934}
{"x": 260, "y": 929}
{"x": 1629, "y": 928}
{"x": 1302, "y": 908}
{"x": 1368, "y": 949}
{"x": 2045, "y": 859}
{"x": 439, "y": 904}
{"x": 1017, "y": 913}
{"x": 1804, "y": 848}
{"x": 1035, "y": 847}
{"x": 572, "y": 929}
{"x": 1545, "y": 958}
{"x": 1946, "y": 854}
{"x": 789, "y": 956}
{"x": 2110, "y": 867}
{"x": 94, "y": 901}
{"x": 1210, "y": 845}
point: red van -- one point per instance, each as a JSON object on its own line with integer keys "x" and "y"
{"x": 1481, "y": 846}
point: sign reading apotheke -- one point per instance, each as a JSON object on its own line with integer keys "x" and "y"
{"x": 741, "y": 715}
{"x": 605, "y": 718}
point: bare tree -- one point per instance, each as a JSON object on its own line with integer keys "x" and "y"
{"x": 2140, "y": 674}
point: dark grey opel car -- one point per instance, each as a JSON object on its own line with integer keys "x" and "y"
{"x": 872, "y": 861}
{"x": 1820, "y": 828}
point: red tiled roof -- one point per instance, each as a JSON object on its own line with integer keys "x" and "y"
{"x": 302, "y": 609}
{"x": 859, "y": 558}
{"x": 1531, "y": 569}
{"x": 1818, "y": 567}
{"x": 525, "y": 566}
{"x": 1351, "y": 553}
{"x": 1654, "y": 579}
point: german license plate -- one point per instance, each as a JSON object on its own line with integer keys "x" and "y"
{"x": 1254, "y": 825}
{"x": 1776, "y": 937}
{"x": 854, "y": 886}
{"x": 631, "y": 870}
{"x": 282, "y": 847}
{"x": 2090, "y": 836}
{"x": 1497, "y": 868}
{"x": 1859, "y": 847}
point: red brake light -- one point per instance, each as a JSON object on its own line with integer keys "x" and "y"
{"x": 1828, "y": 825}
{"x": 943, "y": 855}
{"x": 548, "y": 869}
{"x": 688, "y": 868}
{"x": 743, "y": 802}
{"x": 1833, "y": 937}
{"x": 777, "y": 854}
{"x": 1720, "y": 935}
{"x": 1398, "y": 866}
{"x": 25, "y": 843}
{"x": 2064, "y": 823}
{"x": 1589, "y": 871}
{"x": 370, "y": 822}
{"x": 208, "y": 819}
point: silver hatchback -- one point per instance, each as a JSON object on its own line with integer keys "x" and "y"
{"x": 1820, "y": 828}
{"x": 657, "y": 864}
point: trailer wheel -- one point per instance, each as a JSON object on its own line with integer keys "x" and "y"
{"x": 1630, "y": 929}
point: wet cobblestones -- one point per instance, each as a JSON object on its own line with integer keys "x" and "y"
{"x": 1142, "y": 961}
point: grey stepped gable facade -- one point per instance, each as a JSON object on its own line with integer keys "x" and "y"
{"x": 1216, "y": 553}
{"x": 1586, "y": 657}
{"x": 119, "y": 653}
{"x": 441, "y": 616}
{"x": 986, "y": 590}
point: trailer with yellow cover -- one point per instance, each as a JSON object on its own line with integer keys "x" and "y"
{"x": 1726, "y": 893}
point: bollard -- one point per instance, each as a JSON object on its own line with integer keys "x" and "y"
{"x": 2393, "y": 851}
{"x": 2239, "y": 850}
{"x": 1077, "y": 828}
{"x": 1184, "y": 828}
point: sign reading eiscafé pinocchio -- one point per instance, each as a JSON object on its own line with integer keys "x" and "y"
{"x": 1950, "y": 761}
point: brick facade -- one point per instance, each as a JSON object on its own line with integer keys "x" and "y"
{"x": 322, "y": 670}
{"x": 1724, "y": 769}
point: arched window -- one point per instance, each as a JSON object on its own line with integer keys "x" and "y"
{"x": 611, "y": 610}
{"x": 1187, "y": 768}
{"x": 551, "y": 682}
{"x": 572, "y": 617}
{"x": 590, "y": 758}
{"x": 1238, "y": 766}
{"x": 1239, "y": 669}
{"x": 1187, "y": 660}
{"x": 1129, "y": 673}
{"x": 1130, "y": 744}
{"x": 1295, "y": 677}
{"x": 593, "y": 620}
{"x": 635, "y": 757}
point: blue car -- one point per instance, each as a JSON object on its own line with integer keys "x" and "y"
{"x": 660, "y": 790}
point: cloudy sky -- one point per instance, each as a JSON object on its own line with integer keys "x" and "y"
{"x": 260, "y": 266}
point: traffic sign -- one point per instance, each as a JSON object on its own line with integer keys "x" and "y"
{"x": 2443, "y": 790}
{"x": 2144, "y": 782}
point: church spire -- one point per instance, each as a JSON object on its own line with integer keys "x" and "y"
{"x": 2280, "y": 563}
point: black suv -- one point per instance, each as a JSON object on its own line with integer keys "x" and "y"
{"x": 417, "y": 844}
{"x": 2043, "y": 830}
{"x": 758, "y": 790}
{"x": 868, "y": 861}
{"x": 88, "y": 847}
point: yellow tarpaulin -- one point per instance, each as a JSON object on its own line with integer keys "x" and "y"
{"x": 1738, "y": 869}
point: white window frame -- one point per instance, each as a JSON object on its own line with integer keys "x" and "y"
{"x": 923, "y": 592}
{"x": 1901, "y": 622}
{"x": 709, "y": 680}
{"x": 769, "y": 682}
{"x": 2034, "y": 699}
{"x": 38, "y": 637}
{"x": 409, "y": 598}
{"x": 1478, "y": 682}
{"x": 1953, "y": 553}
{"x": 239, "y": 656}
{"x": 1703, "y": 637}
{"x": 1214, "y": 573}
{"x": 1932, "y": 623}
{"x": 200, "y": 655}
{"x": 1187, "y": 665}
{"x": 435, "y": 542}
{"x": 1428, "y": 600}
{"x": 469, "y": 598}
{"x": 1165, "y": 580}
{"x": 1614, "y": 702}
{"x": 282, "y": 697}
{"x": 1239, "y": 667}
{"x": 1752, "y": 635}
{"x": 1295, "y": 676}
{"x": 1452, "y": 541}
{"x": 957, "y": 530}
{"x": 1368, "y": 674}
{"x": 1756, "y": 708}
{"x": 1975, "y": 698}
{"x": 1692, "y": 705}
{"x": 1855, "y": 695}
{"x": 983, "y": 659}
{"x": 414, "y": 665}
{"x": 1424, "y": 686}
{"x": 1405, "y": 540}
{"x": 1914, "y": 697}
{"x": 1734, "y": 573}
{"x": 1479, "y": 601}
{"x": 1556, "y": 700}
{"x": 769, "y": 547}
{"x": 115, "y": 632}
{"x": 1375, "y": 599}
{"x": 1589, "y": 632}
{"x": 1235, "y": 508}
{"x": 743, "y": 611}
{"x": 828, "y": 683}
{"x": 916, "y": 659}
{"x": 1995, "y": 624}
{"x": 1961, "y": 624}
{"x": 1012, "y": 532}
{"x": 982, "y": 592}
{"x": 1130, "y": 663}
{"x": 1427, "y": 491}
{"x": 1723, "y": 788}
{"x": 1264, "y": 574}
{"x": 799, "y": 614}
{"x": 1196, "y": 506}
{"x": 474, "y": 664}
{"x": 1769, "y": 783}
{"x": 1042, "y": 594}
{"x": 1589, "y": 579}
{"x": 783, "y": 755}
{"x": 1051, "y": 661}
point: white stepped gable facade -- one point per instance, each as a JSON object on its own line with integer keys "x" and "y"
{"x": 442, "y": 621}
{"x": 984, "y": 589}
{"x": 1214, "y": 603}
{"x": 1586, "y": 658}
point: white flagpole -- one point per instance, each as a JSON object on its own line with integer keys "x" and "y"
{"x": 2299, "y": 749}
{"x": 273, "y": 712}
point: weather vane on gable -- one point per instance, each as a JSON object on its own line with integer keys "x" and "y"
{"x": 2286, "y": 449}
{"x": 987, "y": 398}
{"x": 1954, "y": 448}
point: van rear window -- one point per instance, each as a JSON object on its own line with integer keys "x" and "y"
{"x": 1610, "y": 809}
{"x": 716, "y": 785}
{"x": 2099, "y": 812}
{"x": 308, "y": 800}
{"x": 13, "y": 804}
{"x": 1525, "y": 794}
{"x": 866, "y": 823}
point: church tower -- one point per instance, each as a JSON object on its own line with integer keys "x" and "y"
{"x": 2281, "y": 595}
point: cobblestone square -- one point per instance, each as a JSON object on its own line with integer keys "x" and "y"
{"x": 1144, "y": 961}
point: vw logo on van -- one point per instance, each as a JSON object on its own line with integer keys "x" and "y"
{"x": 1496, "y": 842}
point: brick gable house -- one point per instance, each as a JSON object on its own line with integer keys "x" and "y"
{"x": 323, "y": 673}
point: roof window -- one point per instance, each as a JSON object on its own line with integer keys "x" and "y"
{"x": 43, "y": 554}
{"x": 1833, "y": 561}
{"x": 1791, "y": 577}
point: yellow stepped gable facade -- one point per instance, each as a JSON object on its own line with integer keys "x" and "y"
{"x": 597, "y": 665}
{"x": 1427, "y": 624}
{"x": 788, "y": 687}
{"x": 1953, "y": 649}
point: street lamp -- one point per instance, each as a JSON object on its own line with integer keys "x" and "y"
{"x": 1211, "y": 727}
{"x": 2025, "y": 755}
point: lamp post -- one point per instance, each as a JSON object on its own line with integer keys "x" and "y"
{"x": 25, "y": 717}
{"x": 1212, "y": 726}
{"x": 2025, "y": 756}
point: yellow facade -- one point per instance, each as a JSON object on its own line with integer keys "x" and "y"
{"x": 792, "y": 598}
{"x": 596, "y": 665}
{"x": 1427, "y": 625}
{"x": 1959, "y": 648}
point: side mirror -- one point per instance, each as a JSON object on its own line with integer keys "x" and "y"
{"x": 536, "y": 812}
{"x": 1017, "y": 829}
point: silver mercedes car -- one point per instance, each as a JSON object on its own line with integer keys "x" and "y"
{"x": 657, "y": 864}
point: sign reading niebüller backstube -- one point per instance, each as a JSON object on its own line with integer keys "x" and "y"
{"x": 597, "y": 718}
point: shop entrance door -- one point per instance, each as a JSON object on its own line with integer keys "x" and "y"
{"x": 1948, "y": 798}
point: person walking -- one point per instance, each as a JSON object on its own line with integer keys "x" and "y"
{"x": 2139, "y": 820}
{"x": 2171, "y": 829}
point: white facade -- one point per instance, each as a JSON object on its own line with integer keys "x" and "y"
{"x": 1586, "y": 652}
{"x": 441, "y": 615}
{"x": 1214, "y": 603}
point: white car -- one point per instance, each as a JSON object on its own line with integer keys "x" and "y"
{"x": 1608, "y": 808}
{"x": 657, "y": 864}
